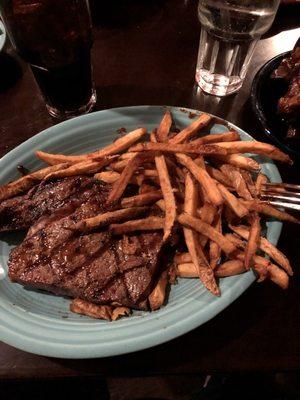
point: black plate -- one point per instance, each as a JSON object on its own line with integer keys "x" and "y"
{"x": 265, "y": 93}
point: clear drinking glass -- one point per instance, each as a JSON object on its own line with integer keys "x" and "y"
{"x": 230, "y": 30}
{"x": 55, "y": 38}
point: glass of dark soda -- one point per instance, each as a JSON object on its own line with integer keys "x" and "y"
{"x": 55, "y": 38}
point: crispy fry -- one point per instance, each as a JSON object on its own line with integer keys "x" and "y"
{"x": 161, "y": 205}
{"x": 192, "y": 129}
{"x": 167, "y": 190}
{"x": 119, "y": 165}
{"x": 147, "y": 187}
{"x": 278, "y": 276}
{"x": 237, "y": 181}
{"x": 120, "y": 185}
{"x": 118, "y": 146}
{"x": 249, "y": 181}
{"x": 120, "y": 312}
{"x": 164, "y": 127}
{"x": 204, "y": 271}
{"x": 107, "y": 176}
{"x": 141, "y": 199}
{"x": 255, "y": 147}
{"x": 85, "y": 167}
{"x": 239, "y": 161}
{"x": 214, "y": 248}
{"x": 189, "y": 148}
{"x": 233, "y": 202}
{"x": 158, "y": 294}
{"x": 83, "y": 307}
{"x": 181, "y": 258}
{"x": 229, "y": 136}
{"x": 230, "y": 268}
{"x": 267, "y": 247}
{"x": 267, "y": 209}
{"x": 201, "y": 175}
{"x": 28, "y": 181}
{"x": 109, "y": 217}
{"x": 207, "y": 213}
{"x": 146, "y": 224}
{"x": 218, "y": 176}
{"x": 212, "y": 233}
{"x": 186, "y": 270}
{"x": 253, "y": 241}
{"x": 260, "y": 181}
{"x": 126, "y": 156}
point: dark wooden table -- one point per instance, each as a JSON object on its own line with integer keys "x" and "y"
{"x": 145, "y": 53}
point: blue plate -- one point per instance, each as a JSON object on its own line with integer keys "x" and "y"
{"x": 42, "y": 323}
{"x": 265, "y": 94}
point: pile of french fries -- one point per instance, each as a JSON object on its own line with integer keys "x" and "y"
{"x": 207, "y": 193}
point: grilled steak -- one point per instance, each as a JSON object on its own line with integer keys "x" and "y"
{"x": 21, "y": 212}
{"x": 94, "y": 266}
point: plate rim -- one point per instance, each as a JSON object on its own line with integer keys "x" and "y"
{"x": 79, "y": 352}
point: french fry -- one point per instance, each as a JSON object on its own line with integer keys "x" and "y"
{"x": 146, "y": 224}
{"x": 167, "y": 190}
{"x": 267, "y": 209}
{"x": 118, "y": 146}
{"x": 118, "y": 166}
{"x": 237, "y": 181}
{"x": 120, "y": 185}
{"x": 278, "y": 276}
{"x": 207, "y": 213}
{"x": 266, "y": 247}
{"x": 192, "y": 129}
{"x": 253, "y": 241}
{"x": 230, "y": 268}
{"x": 126, "y": 156}
{"x": 120, "y": 312}
{"x": 204, "y": 271}
{"x": 147, "y": 187}
{"x": 182, "y": 258}
{"x": 201, "y": 175}
{"x": 164, "y": 127}
{"x": 239, "y": 161}
{"x": 218, "y": 176}
{"x": 84, "y": 307}
{"x": 157, "y": 296}
{"x": 141, "y": 199}
{"x": 255, "y": 147}
{"x": 107, "y": 176}
{"x": 229, "y": 136}
{"x": 28, "y": 181}
{"x": 212, "y": 233}
{"x": 161, "y": 205}
{"x": 188, "y": 148}
{"x": 108, "y": 218}
{"x": 186, "y": 270}
{"x": 260, "y": 181}
{"x": 214, "y": 248}
{"x": 84, "y": 167}
{"x": 233, "y": 202}
{"x": 249, "y": 181}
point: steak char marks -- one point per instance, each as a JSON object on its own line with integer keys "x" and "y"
{"x": 92, "y": 266}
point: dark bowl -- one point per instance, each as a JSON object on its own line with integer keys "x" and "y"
{"x": 265, "y": 93}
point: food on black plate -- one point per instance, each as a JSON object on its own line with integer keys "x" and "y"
{"x": 103, "y": 227}
{"x": 289, "y": 104}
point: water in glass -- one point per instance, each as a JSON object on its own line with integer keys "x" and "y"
{"x": 229, "y": 32}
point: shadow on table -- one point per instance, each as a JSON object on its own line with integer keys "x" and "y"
{"x": 10, "y": 71}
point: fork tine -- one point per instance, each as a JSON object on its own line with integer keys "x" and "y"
{"x": 275, "y": 196}
{"x": 290, "y": 206}
{"x": 281, "y": 185}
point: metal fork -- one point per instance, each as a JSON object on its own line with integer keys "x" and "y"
{"x": 284, "y": 195}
